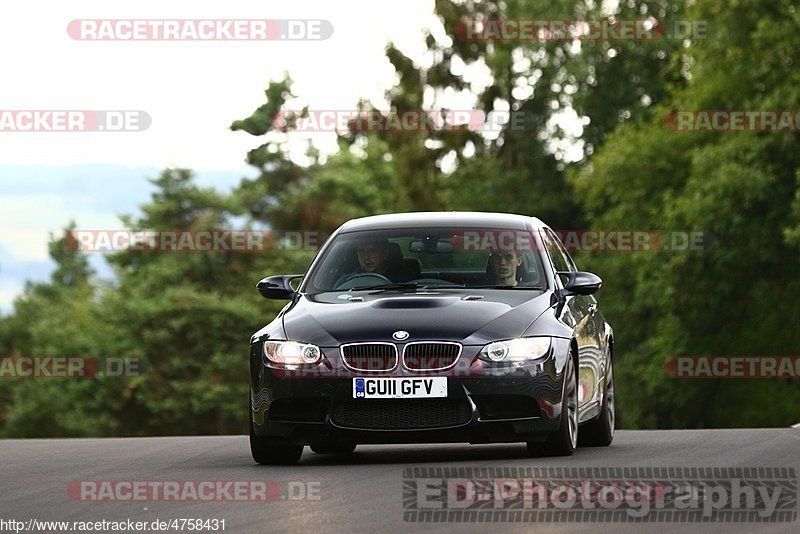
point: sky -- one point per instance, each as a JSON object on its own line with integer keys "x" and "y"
{"x": 191, "y": 91}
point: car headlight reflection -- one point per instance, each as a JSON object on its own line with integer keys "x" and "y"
{"x": 516, "y": 350}
{"x": 291, "y": 352}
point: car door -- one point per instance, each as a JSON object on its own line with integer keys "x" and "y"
{"x": 580, "y": 313}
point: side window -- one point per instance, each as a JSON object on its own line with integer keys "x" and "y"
{"x": 558, "y": 255}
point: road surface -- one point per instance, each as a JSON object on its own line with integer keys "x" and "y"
{"x": 363, "y": 492}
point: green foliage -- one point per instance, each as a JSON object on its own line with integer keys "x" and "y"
{"x": 185, "y": 317}
{"x": 189, "y": 315}
{"x": 739, "y": 189}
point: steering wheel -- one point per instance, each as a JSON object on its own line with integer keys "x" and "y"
{"x": 378, "y": 279}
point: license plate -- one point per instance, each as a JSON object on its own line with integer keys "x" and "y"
{"x": 399, "y": 388}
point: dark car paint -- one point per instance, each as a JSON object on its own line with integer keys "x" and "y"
{"x": 443, "y": 315}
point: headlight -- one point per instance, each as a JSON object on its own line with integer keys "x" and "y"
{"x": 291, "y": 352}
{"x": 516, "y": 350}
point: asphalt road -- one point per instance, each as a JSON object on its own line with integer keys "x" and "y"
{"x": 363, "y": 492}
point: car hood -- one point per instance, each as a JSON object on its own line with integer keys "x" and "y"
{"x": 474, "y": 319}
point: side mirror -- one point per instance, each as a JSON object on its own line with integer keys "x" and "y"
{"x": 580, "y": 283}
{"x": 278, "y": 287}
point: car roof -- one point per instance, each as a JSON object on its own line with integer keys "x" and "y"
{"x": 470, "y": 219}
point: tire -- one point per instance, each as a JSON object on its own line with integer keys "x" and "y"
{"x": 266, "y": 453}
{"x": 600, "y": 432}
{"x": 564, "y": 441}
{"x": 333, "y": 448}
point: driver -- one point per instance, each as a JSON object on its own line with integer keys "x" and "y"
{"x": 373, "y": 257}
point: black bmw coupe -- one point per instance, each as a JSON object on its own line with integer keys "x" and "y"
{"x": 433, "y": 327}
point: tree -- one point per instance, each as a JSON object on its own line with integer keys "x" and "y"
{"x": 733, "y": 298}
{"x": 50, "y": 319}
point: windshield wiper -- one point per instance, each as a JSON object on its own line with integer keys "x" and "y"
{"x": 407, "y": 286}
{"x": 505, "y": 286}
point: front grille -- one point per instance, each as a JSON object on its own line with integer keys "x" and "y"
{"x": 401, "y": 414}
{"x": 370, "y": 356}
{"x": 430, "y": 356}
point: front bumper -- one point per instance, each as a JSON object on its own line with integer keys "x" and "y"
{"x": 485, "y": 403}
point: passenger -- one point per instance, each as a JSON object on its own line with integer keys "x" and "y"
{"x": 502, "y": 268}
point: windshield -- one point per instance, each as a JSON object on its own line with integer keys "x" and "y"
{"x": 427, "y": 257}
